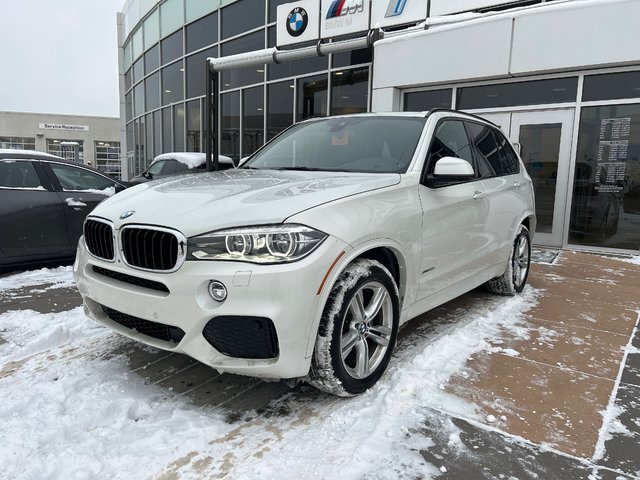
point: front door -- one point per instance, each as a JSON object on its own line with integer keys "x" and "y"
{"x": 545, "y": 147}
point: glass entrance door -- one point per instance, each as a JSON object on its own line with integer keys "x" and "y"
{"x": 545, "y": 147}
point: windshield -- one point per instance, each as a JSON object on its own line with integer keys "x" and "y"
{"x": 364, "y": 144}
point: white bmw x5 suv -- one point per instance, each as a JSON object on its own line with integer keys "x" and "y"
{"x": 304, "y": 262}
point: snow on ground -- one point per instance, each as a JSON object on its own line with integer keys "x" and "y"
{"x": 72, "y": 407}
{"x": 60, "y": 277}
{"x": 635, "y": 260}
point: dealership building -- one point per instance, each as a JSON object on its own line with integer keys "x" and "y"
{"x": 561, "y": 78}
{"x": 93, "y": 141}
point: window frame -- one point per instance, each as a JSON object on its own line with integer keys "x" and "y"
{"x": 57, "y": 186}
{"x": 433, "y": 183}
{"x": 45, "y": 184}
{"x": 500, "y": 135}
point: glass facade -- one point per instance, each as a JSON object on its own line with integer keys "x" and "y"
{"x": 18, "y": 143}
{"x": 605, "y": 208}
{"x": 429, "y": 100}
{"x": 164, "y": 61}
{"x": 66, "y": 149}
{"x": 107, "y": 155}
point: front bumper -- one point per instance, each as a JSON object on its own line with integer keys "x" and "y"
{"x": 287, "y": 294}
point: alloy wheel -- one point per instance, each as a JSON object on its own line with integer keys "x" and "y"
{"x": 521, "y": 261}
{"x": 366, "y": 330}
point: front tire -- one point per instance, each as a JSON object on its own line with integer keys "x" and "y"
{"x": 514, "y": 279}
{"x": 357, "y": 331}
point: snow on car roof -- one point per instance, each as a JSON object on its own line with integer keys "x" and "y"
{"x": 11, "y": 151}
{"x": 191, "y": 159}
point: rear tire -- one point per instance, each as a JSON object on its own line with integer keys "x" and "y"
{"x": 357, "y": 331}
{"x": 514, "y": 279}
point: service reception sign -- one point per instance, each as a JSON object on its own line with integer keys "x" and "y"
{"x": 65, "y": 127}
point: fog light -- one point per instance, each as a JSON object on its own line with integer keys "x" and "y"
{"x": 218, "y": 291}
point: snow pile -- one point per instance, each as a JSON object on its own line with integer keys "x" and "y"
{"x": 73, "y": 412}
{"x": 61, "y": 277}
{"x": 109, "y": 191}
{"x": 191, "y": 159}
{"x": 27, "y": 332}
{"x": 635, "y": 260}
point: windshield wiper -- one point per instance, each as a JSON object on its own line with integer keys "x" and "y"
{"x": 309, "y": 169}
{"x": 300, "y": 169}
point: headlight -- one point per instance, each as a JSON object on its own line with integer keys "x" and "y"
{"x": 266, "y": 244}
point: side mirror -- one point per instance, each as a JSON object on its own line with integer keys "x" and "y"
{"x": 147, "y": 175}
{"x": 119, "y": 188}
{"x": 453, "y": 167}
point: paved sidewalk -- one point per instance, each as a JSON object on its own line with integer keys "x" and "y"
{"x": 577, "y": 365}
{"x": 559, "y": 401}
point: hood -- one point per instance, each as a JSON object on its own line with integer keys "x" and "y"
{"x": 196, "y": 204}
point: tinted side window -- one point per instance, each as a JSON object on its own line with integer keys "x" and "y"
{"x": 181, "y": 167}
{"x": 19, "y": 175}
{"x": 490, "y": 162}
{"x": 495, "y": 156}
{"x": 156, "y": 168}
{"x": 449, "y": 140}
{"x": 511, "y": 161}
{"x": 169, "y": 167}
{"x": 72, "y": 178}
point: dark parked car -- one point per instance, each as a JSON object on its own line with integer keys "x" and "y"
{"x": 178, "y": 163}
{"x": 43, "y": 203}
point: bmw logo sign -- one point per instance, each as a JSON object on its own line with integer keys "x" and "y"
{"x": 297, "y": 21}
{"x": 127, "y": 214}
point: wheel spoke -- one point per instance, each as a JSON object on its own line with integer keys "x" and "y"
{"x": 348, "y": 341}
{"x": 378, "y": 299}
{"x": 379, "y": 334}
{"x": 522, "y": 247}
{"x": 362, "y": 359}
{"x": 357, "y": 307}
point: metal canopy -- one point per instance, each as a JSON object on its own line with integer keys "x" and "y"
{"x": 261, "y": 57}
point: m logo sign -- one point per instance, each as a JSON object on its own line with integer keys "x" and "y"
{"x": 340, "y": 8}
{"x": 391, "y": 13}
{"x": 344, "y": 17}
{"x": 395, "y": 8}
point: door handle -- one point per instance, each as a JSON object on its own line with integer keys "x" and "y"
{"x": 516, "y": 184}
{"x": 478, "y": 195}
{"x": 76, "y": 205}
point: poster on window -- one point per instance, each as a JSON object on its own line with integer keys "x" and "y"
{"x": 613, "y": 152}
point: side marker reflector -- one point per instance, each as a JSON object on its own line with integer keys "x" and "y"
{"x": 324, "y": 280}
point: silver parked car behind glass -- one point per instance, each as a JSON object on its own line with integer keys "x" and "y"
{"x": 304, "y": 262}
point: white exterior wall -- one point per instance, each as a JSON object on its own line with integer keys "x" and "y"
{"x": 548, "y": 38}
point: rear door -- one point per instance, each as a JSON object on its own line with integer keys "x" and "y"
{"x": 80, "y": 190}
{"x": 454, "y": 214}
{"x": 31, "y": 213}
{"x": 500, "y": 171}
